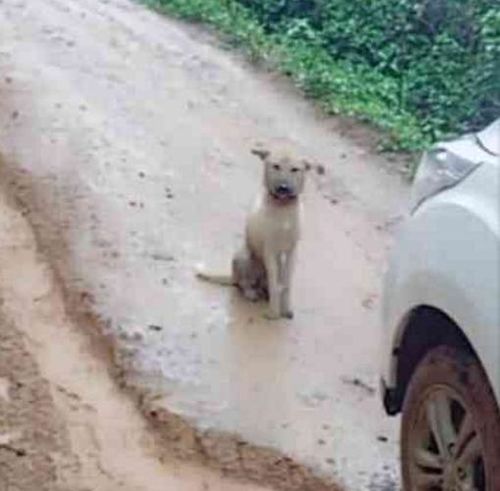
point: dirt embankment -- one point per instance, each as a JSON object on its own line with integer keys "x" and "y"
{"x": 32, "y": 436}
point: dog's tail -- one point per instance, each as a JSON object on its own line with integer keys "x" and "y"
{"x": 218, "y": 279}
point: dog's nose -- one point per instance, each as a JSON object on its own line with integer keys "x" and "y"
{"x": 283, "y": 189}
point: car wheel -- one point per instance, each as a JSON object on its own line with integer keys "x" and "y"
{"x": 450, "y": 432}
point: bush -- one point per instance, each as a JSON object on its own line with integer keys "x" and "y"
{"x": 443, "y": 55}
{"x": 420, "y": 69}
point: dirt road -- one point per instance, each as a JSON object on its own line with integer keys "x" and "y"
{"x": 64, "y": 426}
{"x": 126, "y": 139}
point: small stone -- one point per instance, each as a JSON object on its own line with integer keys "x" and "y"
{"x": 86, "y": 297}
{"x": 7, "y": 438}
{"x": 137, "y": 336}
{"x": 15, "y": 114}
{"x": 357, "y": 382}
{"x": 4, "y": 389}
{"x": 155, "y": 327}
{"x": 162, "y": 257}
{"x": 382, "y": 438}
{"x": 321, "y": 441}
{"x": 314, "y": 398}
{"x": 320, "y": 169}
{"x": 368, "y": 302}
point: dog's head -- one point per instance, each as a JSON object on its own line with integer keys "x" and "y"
{"x": 284, "y": 176}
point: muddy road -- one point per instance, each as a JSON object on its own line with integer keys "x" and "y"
{"x": 64, "y": 425}
{"x": 126, "y": 140}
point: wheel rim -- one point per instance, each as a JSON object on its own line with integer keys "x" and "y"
{"x": 446, "y": 451}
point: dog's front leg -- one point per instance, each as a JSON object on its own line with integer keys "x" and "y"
{"x": 272, "y": 271}
{"x": 287, "y": 262}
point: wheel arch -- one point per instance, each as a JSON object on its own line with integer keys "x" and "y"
{"x": 415, "y": 339}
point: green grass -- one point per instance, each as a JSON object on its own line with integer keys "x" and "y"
{"x": 340, "y": 87}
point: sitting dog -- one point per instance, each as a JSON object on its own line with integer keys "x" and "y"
{"x": 263, "y": 268}
{"x": 248, "y": 274}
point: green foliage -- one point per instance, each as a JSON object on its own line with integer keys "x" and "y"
{"x": 419, "y": 69}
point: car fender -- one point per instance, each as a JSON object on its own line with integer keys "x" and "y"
{"x": 448, "y": 257}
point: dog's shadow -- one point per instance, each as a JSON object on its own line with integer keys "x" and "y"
{"x": 258, "y": 353}
{"x": 249, "y": 329}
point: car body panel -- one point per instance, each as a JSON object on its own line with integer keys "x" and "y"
{"x": 447, "y": 256}
{"x": 489, "y": 138}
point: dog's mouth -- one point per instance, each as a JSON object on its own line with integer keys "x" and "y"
{"x": 283, "y": 193}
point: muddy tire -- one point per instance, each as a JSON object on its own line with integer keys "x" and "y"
{"x": 450, "y": 432}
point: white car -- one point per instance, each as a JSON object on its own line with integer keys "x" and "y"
{"x": 441, "y": 320}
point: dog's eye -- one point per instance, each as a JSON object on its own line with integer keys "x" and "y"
{"x": 295, "y": 169}
{"x": 276, "y": 167}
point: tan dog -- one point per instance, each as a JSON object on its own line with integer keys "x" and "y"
{"x": 263, "y": 268}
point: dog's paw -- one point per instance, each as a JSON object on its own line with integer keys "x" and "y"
{"x": 250, "y": 294}
{"x": 199, "y": 270}
{"x": 270, "y": 315}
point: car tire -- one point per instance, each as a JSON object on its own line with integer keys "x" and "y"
{"x": 450, "y": 430}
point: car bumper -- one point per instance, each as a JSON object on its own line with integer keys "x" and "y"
{"x": 389, "y": 397}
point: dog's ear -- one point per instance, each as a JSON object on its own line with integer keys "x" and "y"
{"x": 310, "y": 166}
{"x": 262, "y": 153}
{"x": 307, "y": 165}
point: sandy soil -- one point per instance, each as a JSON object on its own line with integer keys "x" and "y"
{"x": 127, "y": 145}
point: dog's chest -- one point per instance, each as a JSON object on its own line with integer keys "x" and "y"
{"x": 283, "y": 235}
{"x": 283, "y": 226}
{"x": 273, "y": 227}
